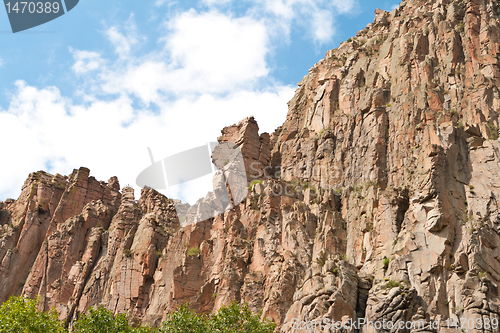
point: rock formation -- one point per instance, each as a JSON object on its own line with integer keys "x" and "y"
{"x": 378, "y": 198}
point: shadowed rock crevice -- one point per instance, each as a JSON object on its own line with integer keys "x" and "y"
{"x": 402, "y": 202}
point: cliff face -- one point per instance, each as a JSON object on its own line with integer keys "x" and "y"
{"x": 380, "y": 197}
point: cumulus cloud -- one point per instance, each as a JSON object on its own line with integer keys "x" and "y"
{"x": 201, "y": 53}
{"x": 216, "y": 50}
{"x": 85, "y": 61}
{"x": 111, "y": 137}
{"x": 394, "y": 6}
{"x": 123, "y": 42}
{"x": 316, "y": 16}
{"x": 205, "y": 74}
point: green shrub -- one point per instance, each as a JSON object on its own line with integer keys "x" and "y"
{"x": 184, "y": 320}
{"x": 238, "y": 318}
{"x": 392, "y": 284}
{"x": 127, "y": 253}
{"x": 492, "y": 131}
{"x": 193, "y": 251}
{"x": 21, "y": 315}
{"x": 321, "y": 259}
{"x": 386, "y": 262}
{"x": 258, "y": 181}
{"x": 98, "y": 320}
{"x": 230, "y": 319}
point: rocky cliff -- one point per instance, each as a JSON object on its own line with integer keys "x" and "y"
{"x": 378, "y": 198}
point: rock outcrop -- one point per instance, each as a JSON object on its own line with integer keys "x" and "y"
{"x": 378, "y": 198}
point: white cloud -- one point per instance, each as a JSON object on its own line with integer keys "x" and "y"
{"x": 217, "y": 51}
{"x": 111, "y": 137}
{"x": 216, "y": 2}
{"x": 316, "y": 16}
{"x": 202, "y": 53}
{"x": 396, "y": 5}
{"x": 1, "y": 62}
{"x": 208, "y": 72}
{"x": 123, "y": 43}
{"x": 322, "y": 26}
{"x": 85, "y": 61}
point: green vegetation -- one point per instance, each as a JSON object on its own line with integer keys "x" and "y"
{"x": 127, "y": 253}
{"x": 386, "y": 262}
{"x": 460, "y": 27}
{"x": 321, "y": 259}
{"x": 349, "y": 40}
{"x": 193, "y": 251}
{"x": 20, "y": 315}
{"x": 100, "y": 319}
{"x": 357, "y": 188}
{"x": 258, "y": 181}
{"x": 481, "y": 274}
{"x": 236, "y": 318}
{"x": 492, "y": 131}
{"x": 392, "y": 284}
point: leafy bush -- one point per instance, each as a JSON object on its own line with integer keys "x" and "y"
{"x": 230, "y": 319}
{"x": 100, "y": 319}
{"x": 321, "y": 259}
{"x": 127, "y": 253}
{"x": 185, "y": 320}
{"x": 21, "y": 315}
{"x": 386, "y": 262}
{"x": 392, "y": 284}
{"x": 236, "y": 319}
{"x": 193, "y": 251}
{"x": 257, "y": 181}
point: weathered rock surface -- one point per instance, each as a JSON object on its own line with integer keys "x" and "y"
{"x": 378, "y": 198}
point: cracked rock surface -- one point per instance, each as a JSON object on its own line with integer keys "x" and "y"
{"x": 378, "y": 198}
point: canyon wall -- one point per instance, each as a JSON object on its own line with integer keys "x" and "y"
{"x": 378, "y": 198}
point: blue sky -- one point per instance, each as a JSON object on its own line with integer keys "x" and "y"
{"x": 100, "y": 84}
